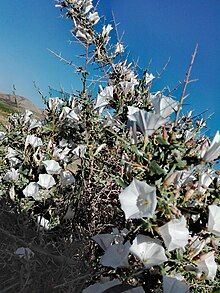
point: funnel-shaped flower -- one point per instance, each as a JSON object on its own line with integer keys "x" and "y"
{"x": 212, "y": 152}
{"x": 46, "y": 181}
{"x": 173, "y": 285}
{"x": 93, "y": 17}
{"x": 149, "y": 78}
{"x": 205, "y": 180}
{"x": 138, "y": 200}
{"x": 52, "y": 167}
{"x": 67, "y": 178}
{"x": 33, "y": 140}
{"x": 148, "y": 250}
{"x": 104, "y": 97}
{"x": 147, "y": 122}
{"x": 12, "y": 174}
{"x": 214, "y": 220}
{"x": 163, "y": 105}
{"x": 175, "y": 234}
{"x": 207, "y": 265}
{"x": 105, "y": 240}
{"x": 31, "y": 189}
{"x": 116, "y": 255}
{"x": 24, "y": 252}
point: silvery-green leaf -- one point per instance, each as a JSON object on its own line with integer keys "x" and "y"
{"x": 138, "y": 200}
{"x": 175, "y": 234}
{"x": 148, "y": 251}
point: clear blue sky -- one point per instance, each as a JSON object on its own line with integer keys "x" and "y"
{"x": 154, "y": 30}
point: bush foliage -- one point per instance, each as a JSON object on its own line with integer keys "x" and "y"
{"x": 121, "y": 167}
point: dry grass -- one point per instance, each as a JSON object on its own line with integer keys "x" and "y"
{"x": 57, "y": 266}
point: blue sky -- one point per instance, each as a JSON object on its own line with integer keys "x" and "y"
{"x": 154, "y": 30}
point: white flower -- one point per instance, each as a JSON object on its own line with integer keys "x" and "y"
{"x": 101, "y": 287}
{"x": 105, "y": 32}
{"x": 127, "y": 86}
{"x": 212, "y": 152}
{"x": 106, "y": 240}
{"x": 43, "y": 223}
{"x": 183, "y": 177}
{"x": 67, "y": 178}
{"x": 173, "y": 285}
{"x": 87, "y": 6}
{"x": 83, "y": 35}
{"x": 69, "y": 114}
{"x": 52, "y": 167}
{"x": 214, "y": 220}
{"x": 116, "y": 255}
{"x": 196, "y": 246}
{"x": 163, "y": 105}
{"x": 104, "y": 97}
{"x": 33, "y": 140}
{"x": 148, "y": 250}
{"x": 31, "y": 189}
{"x": 93, "y": 18}
{"x": 2, "y": 135}
{"x": 54, "y": 103}
{"x": 34, "y": 123}
{"x": 12, "y": 174}
{"x": 175, "y": 234}
{"x": 46, "y": 181}
{"x": 147, "y": 122}
{"x": 60, "y": 153}
{"x": 207, "y": 265}
{"x": 149, "y": 78}
{"x": 24, "y": 252}
{"x": 80, "y": 150}
{"x": 27, "y": 116}
{"x": 11, "y": 153}
{"x": 205, "y": 180}
{"x": 119, "y": 48}
{"x": 138, "y": 200}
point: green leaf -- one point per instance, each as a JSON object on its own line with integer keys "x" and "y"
{"x": 181, "y": 164}
{"x": 161, "y": 140}
{"x": 120, "y": 182}
{"x": 156, "y": 169}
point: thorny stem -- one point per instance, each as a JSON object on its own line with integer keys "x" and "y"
{"x": 186, "y": 82}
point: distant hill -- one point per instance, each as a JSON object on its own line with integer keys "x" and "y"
{"x": 13, "y": 103}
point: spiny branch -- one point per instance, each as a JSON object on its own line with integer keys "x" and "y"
{"x": 186, "y": 82}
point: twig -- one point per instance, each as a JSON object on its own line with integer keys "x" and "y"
{"x": 186, "y": 82}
